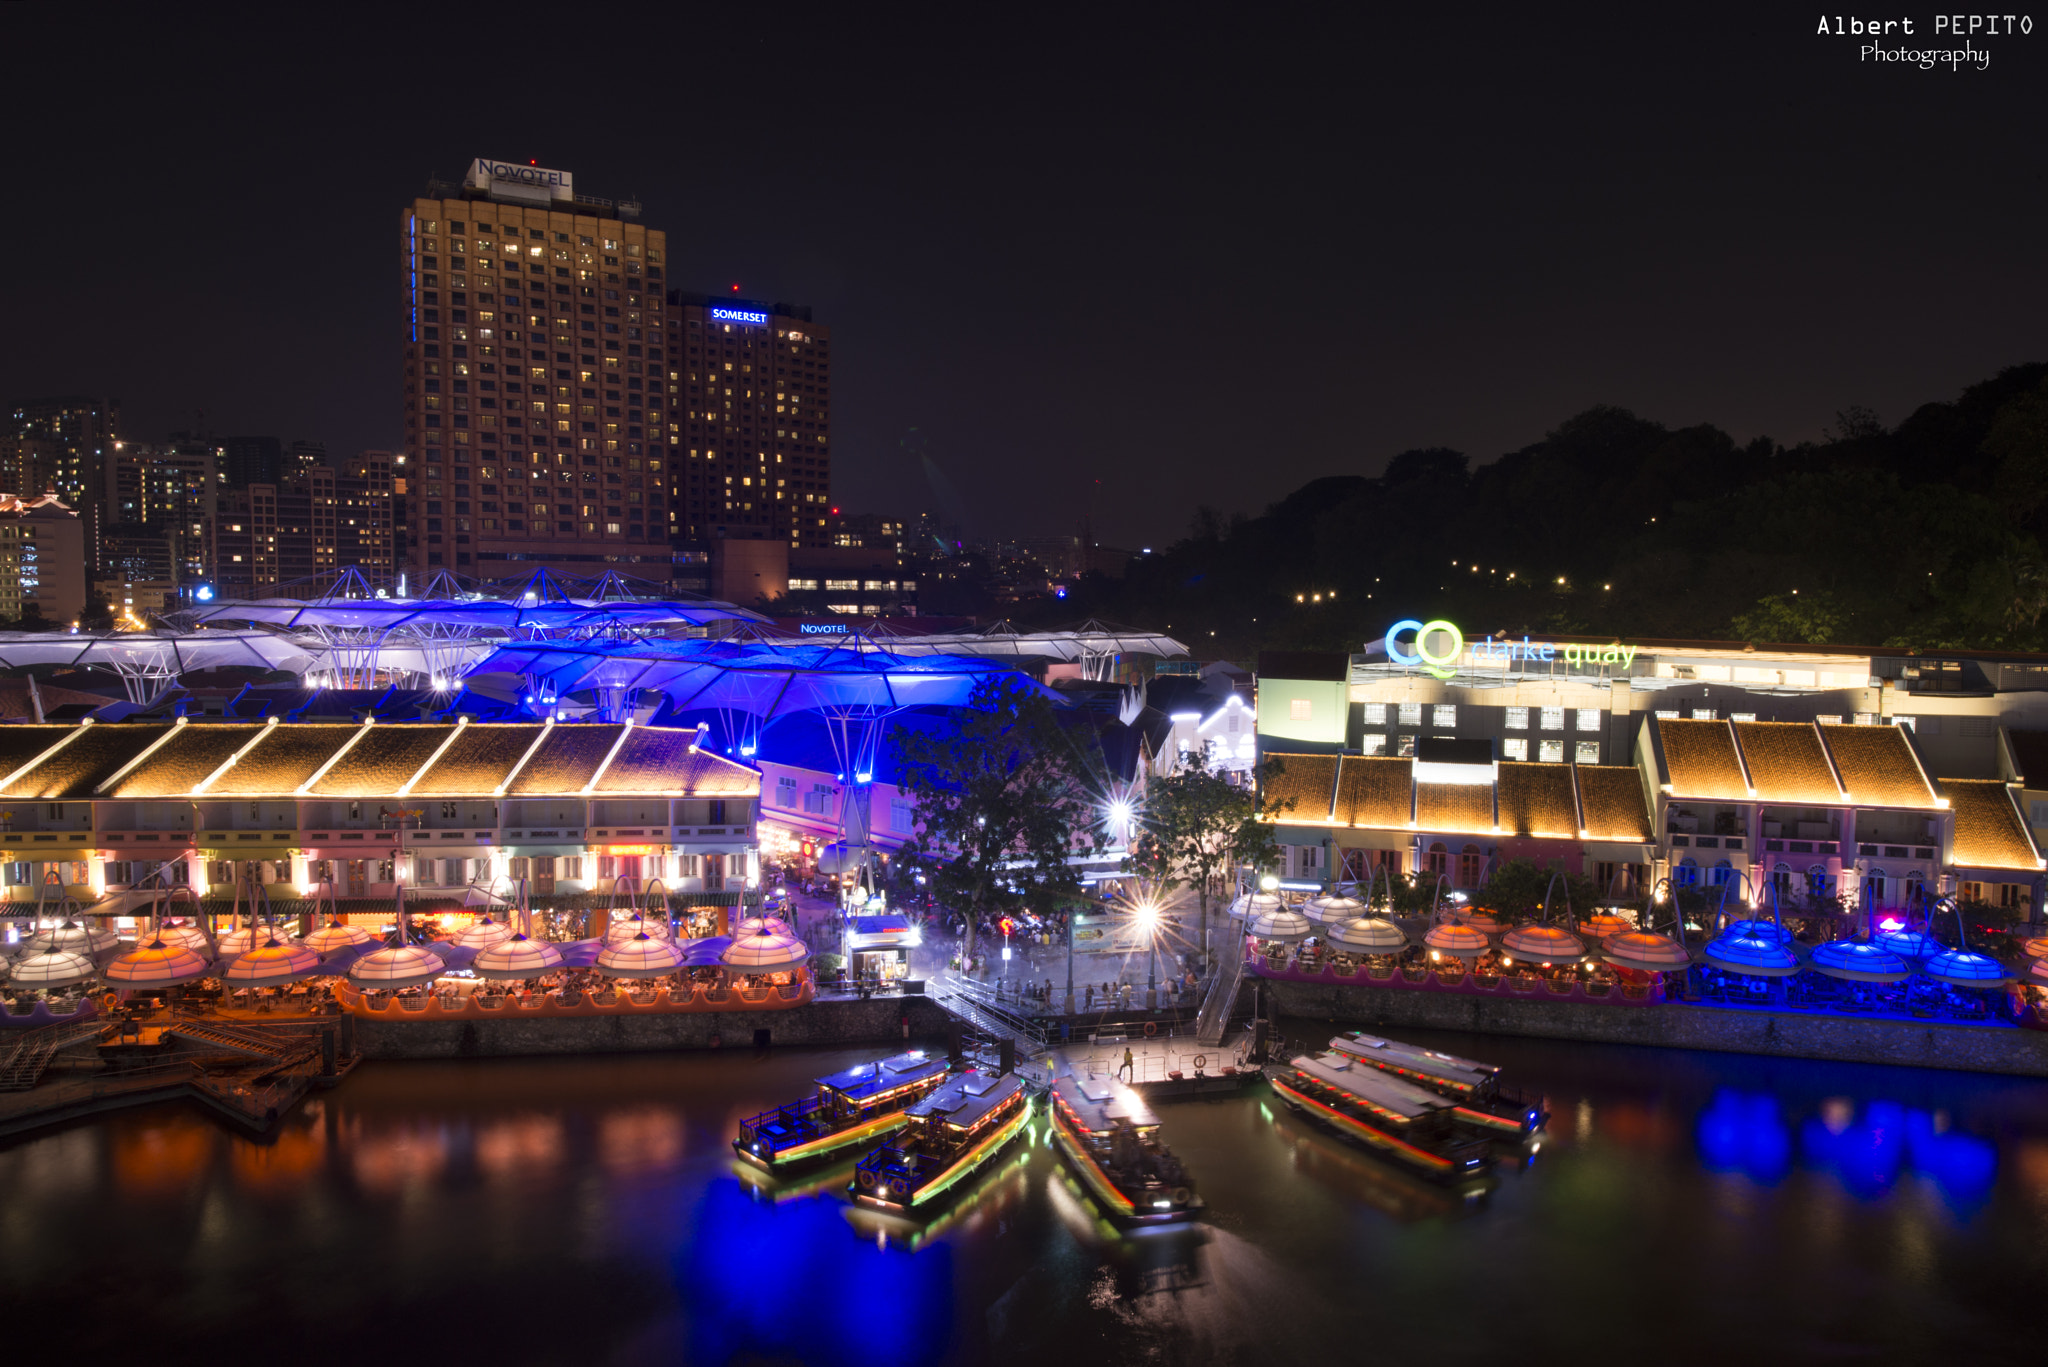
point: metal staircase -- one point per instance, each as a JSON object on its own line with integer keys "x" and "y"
{"x": 235, "y": 1039}
{"x": 22, "y": 1062}
{"x": 1212, "y": 1023}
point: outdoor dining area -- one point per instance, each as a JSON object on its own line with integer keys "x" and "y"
{"x": 1738, "y": 953}
{"x": 187, "y": 958}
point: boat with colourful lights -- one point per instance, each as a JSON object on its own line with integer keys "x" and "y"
{"x": 949, "y": 1136}
{"x": 852, "y": 1106}
{"x": 1406, "y": 1123}
{"x": 1110, "y": 1137}
{"x": 1481, "y": 1099}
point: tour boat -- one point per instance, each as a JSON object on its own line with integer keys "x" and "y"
{"x": 1111, "y": 1138}
{"x": 853, "y": 1106}
{"x": 950, "y": 1135}
{"x": 1407, "y": 1123}
{"x": 1482, "y": 1100}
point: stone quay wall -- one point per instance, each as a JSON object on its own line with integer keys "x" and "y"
{"x": 1670, "y": 1025}
{"x": 879, "y": 1020}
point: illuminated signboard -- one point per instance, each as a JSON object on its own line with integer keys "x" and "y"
{"x": 1438, "y": 647}
{"x": 485, "y": 173}
{"x": 722, "y": 314}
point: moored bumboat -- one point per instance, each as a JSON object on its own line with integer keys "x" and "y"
{"x": 852, "y": 1106}
{"x": 948, "y": 1136}
{"x": 1482, "y": 1100}
{"x": 1110, "y": 1137}
{"x": 1399, "y": 1120}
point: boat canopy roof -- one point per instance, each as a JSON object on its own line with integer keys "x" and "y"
{"x": 967, "y": 1098}
{"x": 1414, "y": 1058}
{"x": 1379, "y": 1089}
{"x": 884, "y": 1075}
{"x": 1098, "y": 1104}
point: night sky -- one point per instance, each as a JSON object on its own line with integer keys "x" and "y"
{"x": 1183, "y": 255}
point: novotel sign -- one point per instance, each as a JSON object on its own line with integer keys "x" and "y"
{"x": 483, "y": 173}
{"x": 1439, "y": 647}
{"x": 721, "y": 314}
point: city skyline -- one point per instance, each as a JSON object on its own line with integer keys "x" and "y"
{"x": 1196, "y": 274}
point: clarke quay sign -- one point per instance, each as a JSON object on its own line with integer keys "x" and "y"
{"x": 1439, "y": 648}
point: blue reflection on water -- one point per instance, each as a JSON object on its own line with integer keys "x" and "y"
{"x": 1743, "y": 1132}
{"x": 794, "y": 1279}
{"x": 1746, "y": 1133}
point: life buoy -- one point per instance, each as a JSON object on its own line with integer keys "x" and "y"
{"x": 897, "y": 1187}
{"x": 1201, "y": 1060}
{"x": 1180, "y": 1196}
{"x": 865, "y": 1178}
{"x": 1151, "y": 1029}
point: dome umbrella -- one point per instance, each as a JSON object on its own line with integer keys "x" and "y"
{"x": 51, "y": 968}
{"x": 1605, "y": 923}
{"x": 643, "y": 956}
{"x": 764, "y": 952}
{"x": 1860, "y": 961}
{"x": 1285, "y": 924}
{"x": 1459, "y": 941}
{"x": 337, "y": 935}
{"x": 1483, "y": 920}
{"x": 156, "y": 964}
{"x": 2040, "y": 971}
{"x": 87, "y": 940}
{"x": 1367, "y": 934}
{"x": 1967, "y": 969}
{"x": 754, "y": 925}
{"x": 272, "y": 964}
{"x": 521, "y": 954}
{"x": 1330, "y": 909}
{"x": 1909, "y": 944}
{"x": 1543, "y": 945}
{"x": 1252, "y": 903}
{"x": 1755, "y": 947}
{"x": 398, "y": 965}
{"x": 185, "y": 934}
{"x": 1646, "y": 952}
{"x": 1542, "y": 942}
{"x": 483, "y": 933}
{"x": 2035, "y": 946}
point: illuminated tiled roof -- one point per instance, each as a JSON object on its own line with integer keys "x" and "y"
{"x": 1787, "y": 763}
{"x": 1300, "y": 790}
{"x": 183, "y": 762}
{"x": 1375, "y": 790}
{"x": 1700, "y": 760}
{"x": 662, "y": 761}
{"x": 478, "y": 760}
{"x": 1878, "y": 767}
{"x": 1989, "y": 832}
{"x": 1536, "y": 799}
{"x": 84, "y": 764}
{"x": 1612, "y": 798}
{"x": 382, "y": 762}
{"x": 283, "y": 760}
{"x": 1454, "y": 806}
{"x": 565, "y": 761}
{"x": 20, "y": 744}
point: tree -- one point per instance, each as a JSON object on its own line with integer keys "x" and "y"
{"x": 1517, "y": 888}
{"x": 1004, "y": 802}
{"x": 1197, "y": 826}
{"x": 1781, "y": 618}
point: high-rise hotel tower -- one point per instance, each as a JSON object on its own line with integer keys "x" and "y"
{"x": 534, "y": 381}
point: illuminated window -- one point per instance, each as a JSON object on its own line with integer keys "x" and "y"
{"x": 1515, "y": 747}
{"x": 1444, "y": 714}
{"x": 1551, "y": 752}
{"x": 1518, "y": 720}
{"x": 1299, "y": 709}
{"x": 1587, "y": 752}
{"x": 1411, "y": 714}
{"x": 1553, "y": 719}
{"x": 1589, "y": 719}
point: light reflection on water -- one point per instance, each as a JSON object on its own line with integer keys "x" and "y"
{"x": 591, "y": 1210}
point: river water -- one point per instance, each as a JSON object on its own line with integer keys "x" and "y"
{"x": 1681, "y": 1207}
